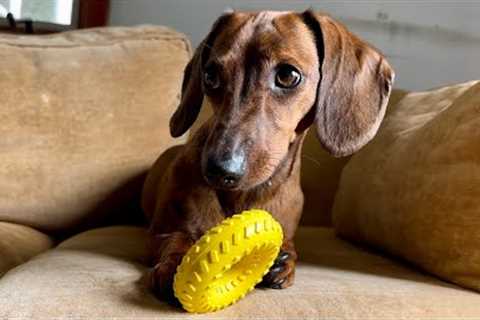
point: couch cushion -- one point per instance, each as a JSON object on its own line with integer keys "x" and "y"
{"x": 97, "y": 275}
{"x": 19, "y": 243}
{"x": 84, "y": 114}
{"x": 415, "y": 190}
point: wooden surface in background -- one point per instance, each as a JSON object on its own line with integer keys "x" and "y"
{"x": 93, "y": 13}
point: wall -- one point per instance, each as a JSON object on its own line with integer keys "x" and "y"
{"x": 429, "y": 43}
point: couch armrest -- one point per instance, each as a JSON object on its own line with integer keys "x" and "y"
{"x": 19, "y": 243}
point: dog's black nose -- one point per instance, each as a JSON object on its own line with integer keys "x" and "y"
{"x": 226, "y": 172}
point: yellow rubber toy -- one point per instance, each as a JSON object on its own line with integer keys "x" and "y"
{"x": 228, "y": 261}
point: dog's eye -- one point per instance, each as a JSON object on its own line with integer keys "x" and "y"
{"x": 287, "y": 77}
{"x": 211, "y": 78}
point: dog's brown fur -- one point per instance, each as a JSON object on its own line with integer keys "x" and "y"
{"x": 345, "y": 88}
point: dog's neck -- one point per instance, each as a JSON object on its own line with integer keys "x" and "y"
{"x": 236, "y": 201}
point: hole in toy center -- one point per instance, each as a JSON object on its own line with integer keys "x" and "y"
{"x": 243, "y": 274}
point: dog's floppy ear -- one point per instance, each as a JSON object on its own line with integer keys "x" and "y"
{"x": 192, "y": 88}
{"x": 355, "y": 85}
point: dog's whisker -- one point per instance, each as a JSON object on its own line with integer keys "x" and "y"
{"x": 315, "y": 161}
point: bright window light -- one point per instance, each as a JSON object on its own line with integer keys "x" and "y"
{"x": 16, "y": 8}
{"x": 3, "y": 11}
{"x": 52, "y": 11}
{"x": 63, "y": 11}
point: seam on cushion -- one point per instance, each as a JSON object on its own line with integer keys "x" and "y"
{"x": 68, "y": 37}
{"x": 186, "y": 44}
{"x": 154, "y": 35}
{"x": 93, "y": 45}
{"x": 120, "y": 31}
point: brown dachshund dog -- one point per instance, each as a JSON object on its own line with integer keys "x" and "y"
{"x": 268, "y": 76}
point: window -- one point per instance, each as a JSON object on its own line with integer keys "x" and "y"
{"x": 56, "y": 12}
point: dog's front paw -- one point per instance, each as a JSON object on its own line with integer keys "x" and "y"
{"x": 160, "y": 281}
{"x": 281, "y": 275}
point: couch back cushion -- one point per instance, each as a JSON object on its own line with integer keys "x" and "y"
{"x": 84, "y": 114}
{"x": 415, "y": 190}
{"x": 321, "y": 175}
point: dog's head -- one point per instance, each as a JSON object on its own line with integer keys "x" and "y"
{"x": 268, "y": 76}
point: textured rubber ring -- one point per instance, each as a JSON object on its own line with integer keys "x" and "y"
{"x": 228, "y": 261}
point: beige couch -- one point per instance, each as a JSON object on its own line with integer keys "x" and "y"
{"x": 83, "y": 115}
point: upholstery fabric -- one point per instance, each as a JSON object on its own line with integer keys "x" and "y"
{"x": 84, "y": 114}
{"x": 19, "y": 243}
{"x": 98, "y": 275}
{"x": 415, "y": 190}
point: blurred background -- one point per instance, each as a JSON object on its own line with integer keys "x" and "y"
{"x": 430, "y": 43}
